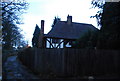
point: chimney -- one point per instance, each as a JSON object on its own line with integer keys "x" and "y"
{"x": 42, "y": 26}
{"x": 41, "y": 40}
{"x": 69, "y": 20}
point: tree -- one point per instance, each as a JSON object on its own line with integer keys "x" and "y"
{"x": 88, "y": 40}
{"x": 36, "y": 35}
{"x": 11, "y": 12}
{"x": 110, "y": 31}
{"x": 99, "y": 4}
{"x": 56, "y": 19}
{"x": 109, "y": 20}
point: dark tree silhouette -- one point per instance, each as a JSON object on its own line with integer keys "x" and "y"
{"x": 11, "y": 12}
{"x": 99, "y": 4}
{"x": 109, "y": 19}
{"x": 110, "y": 31}
{"x": 88, "y": 40}
{"x": 36, "y": 35}
{"x": 56, "y": 19}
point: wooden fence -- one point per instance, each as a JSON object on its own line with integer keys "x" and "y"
{"x": 72, "y": 62}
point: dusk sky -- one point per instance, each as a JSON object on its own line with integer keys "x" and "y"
{"x": 38, "y": 10}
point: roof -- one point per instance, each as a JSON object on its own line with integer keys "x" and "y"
{"x": 66, "y": 31}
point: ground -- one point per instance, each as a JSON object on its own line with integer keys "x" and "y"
{"x": 15, "y": 70}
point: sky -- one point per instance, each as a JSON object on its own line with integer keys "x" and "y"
{"x": 46, "y": 10}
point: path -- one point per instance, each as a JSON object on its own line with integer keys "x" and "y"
{"x": 15, "y": 70}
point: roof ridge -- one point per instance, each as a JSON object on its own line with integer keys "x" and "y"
{"x": 82, "y": 23}
{"x": 77, "y": 22}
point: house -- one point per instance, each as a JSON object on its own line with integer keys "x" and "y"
{"x": 64, "y": 33}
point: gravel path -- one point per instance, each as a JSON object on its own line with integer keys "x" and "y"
{"x": 15, "y": 70}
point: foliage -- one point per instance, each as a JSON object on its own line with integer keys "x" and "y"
{"x": 88, "y": 40}
{"x": 110, "y": 31}
{"x": 109, "y": 19}
{"x": 99, "y": 4}
{"x": 35, "y": 38}
{"x": 11, "y": 12}
{"x": 56, "y": 19}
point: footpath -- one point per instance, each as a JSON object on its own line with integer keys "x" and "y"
{"x": 15, "y": 70}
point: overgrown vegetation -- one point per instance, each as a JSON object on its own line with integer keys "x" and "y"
{"x": 109, "y": 37}
{"x": 88, "y": 40}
